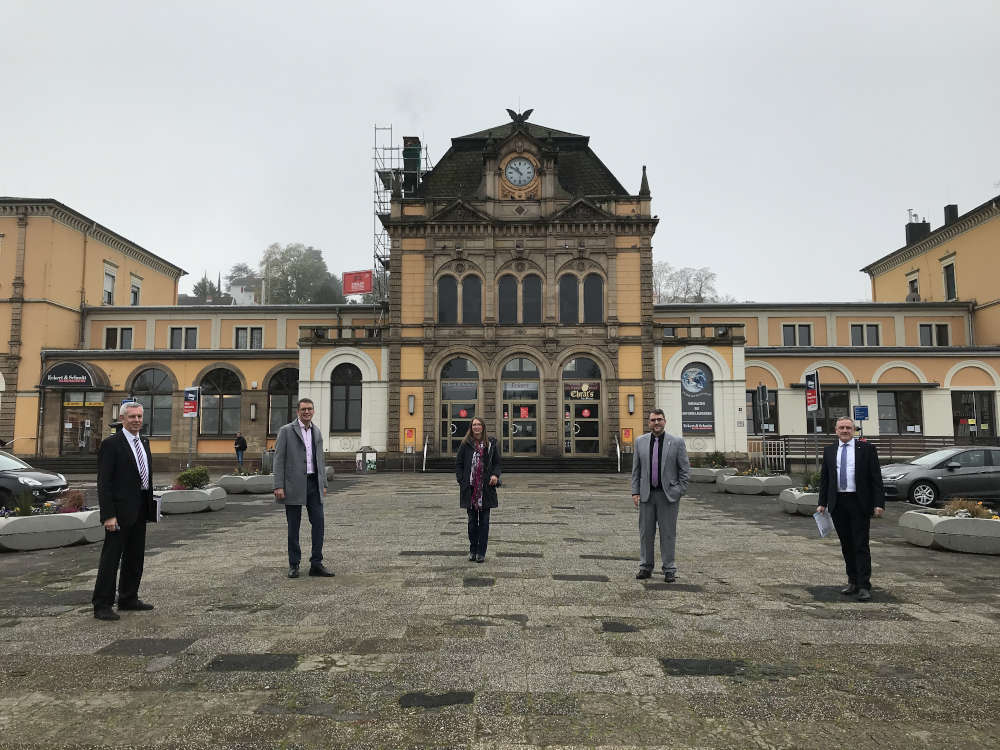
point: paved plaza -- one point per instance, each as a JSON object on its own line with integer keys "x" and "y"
{"x": 551, "y": 643}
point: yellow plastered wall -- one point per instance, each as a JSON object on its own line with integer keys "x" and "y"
{"x": 898, "y": 375}
{"x": 758, "y": 375}
{"x": 987, "y": 326}
{"x": 413, "y": 421}
{"x": 411, "y": 307}
{"x": 138, "y": 327}
{"x": 25, "y": 424}
{"x": 627, "y": 286}
{"x": 53, "y": 261}
{"x": 749, "y": 330}
{"x": 411, "y": 363}
{"x": 971, "y": 377}
{"x": 636, "y": 422}
{"x": 413, "y": 209}
{"x": 630, "y": 362}
{"x": 43, "y": 325}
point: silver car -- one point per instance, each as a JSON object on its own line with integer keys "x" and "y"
{"x": 962, "y": 471}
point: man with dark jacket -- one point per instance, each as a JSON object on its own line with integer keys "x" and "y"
{"x": 240, "y": 446}
{"x": 125, "y": 494}
{"x": 851, "y": 486}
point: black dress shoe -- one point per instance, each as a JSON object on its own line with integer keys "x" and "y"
{"x": 293, "y": 571}
{"x": 864, "y": 595}
{"x": 106, "y": 613}
{"x": 472, "y": 557}
{"x": 319, "y": 570}
{"x": 849, "y": 589}
{"x": 480, "y": 558}
{"x": 643, "y": 574}
{"x": 670, "y": 577}
{"x": 137, "y": 606}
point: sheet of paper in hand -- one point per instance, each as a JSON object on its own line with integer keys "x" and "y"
{"x": 824, "y": 522}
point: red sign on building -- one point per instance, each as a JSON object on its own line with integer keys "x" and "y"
{"x": 357, "y": 282}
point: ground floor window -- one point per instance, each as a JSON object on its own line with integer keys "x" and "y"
{"x": 762, "y": 417}
{"x": 973, "y": 415}
{"x": 900, "y": 413}
{"x": 834, "y": 405}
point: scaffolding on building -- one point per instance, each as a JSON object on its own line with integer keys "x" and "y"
{"x": 395, "y": 168}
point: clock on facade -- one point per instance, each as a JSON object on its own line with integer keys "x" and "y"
{"x": 519, "y": 171}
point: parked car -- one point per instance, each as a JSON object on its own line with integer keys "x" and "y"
{"x": 17, "y": 477}
{"x": 961, "y": 471}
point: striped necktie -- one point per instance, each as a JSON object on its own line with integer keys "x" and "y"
{"x": 843, "y": 467}
{"x": 140, "y": 461}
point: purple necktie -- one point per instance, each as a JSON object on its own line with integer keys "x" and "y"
{"x": 656, "y": 463}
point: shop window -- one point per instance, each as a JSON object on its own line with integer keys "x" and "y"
{"x": 154, "y": 390}
{"x": 345, "y": 413}
{"x": 569, "y": 300}
{"x": 835, "y": 404}
{"x": 864, "y": 334}
{"x": 973, "y": 415}
{"x": 900, "y": 413}
{"x": 472, "y": 300}
{"x": 762, "y": 417}
{"x": 220, "y": 403}
{"x": 796, "y": 334}
{"x": 282, "y": 399}
{"x": 447, "y": 289}
{"x": 117, "y": 338}
{"x": 531, "y": 299}
{"x": 593, "y": 299}
{"x": 507, "y": 300}
{"x": 933, "y": 334}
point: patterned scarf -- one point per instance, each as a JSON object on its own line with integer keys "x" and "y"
{"x": 476, "y": 477}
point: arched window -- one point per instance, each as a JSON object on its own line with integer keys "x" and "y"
{"x": 531, "y": 296}
{"x": 448, "y": 300}
{"x": 569, "y": 300}
{"x": 593, "y": 299}
{"x": 281, "y": 399}
{"x": 581, "y": 368}
{"x": 220, "y": 403}
{"x": 152, "y": 388}
{"x": 472, "y": 300}
{"x": 507, "y": 300}
{"x": 345, "y": 415}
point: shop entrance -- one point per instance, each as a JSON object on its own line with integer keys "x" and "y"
{"x": 519, "y": 408}
{"x": 459, "y": 403}
{"x": 82, "y": 420}
{"x": 582, "y": 408}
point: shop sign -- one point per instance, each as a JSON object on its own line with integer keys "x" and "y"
{"x": 67, "y": 374}
{"x": 697, "y": 400}
{"x": 582, "y": 391}
{"x": 627, "y": 435}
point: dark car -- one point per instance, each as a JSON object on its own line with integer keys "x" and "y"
{"x": 962, "y": 471}
{"x": 17, "y": 477}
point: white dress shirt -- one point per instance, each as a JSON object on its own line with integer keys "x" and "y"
{"x": 852, "y": 485}
{"x": 307, "y": 439}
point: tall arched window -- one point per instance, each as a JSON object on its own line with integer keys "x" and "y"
{"x": 569, "y": 300}
{"x": 531, "y": 299}
{"x": 472, "y": 300}
{"x": 281, "y": 399}
{"x": 220, "y": 403}
{"x": 593, "y": 299}
{"x": 447, "y": 300}
{"x": 507, "y": 300}
{"x": 345, "y": 414}
{"x": 152, "y": 388}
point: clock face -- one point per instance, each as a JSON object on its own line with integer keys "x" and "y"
{"x": 519, "y": 171}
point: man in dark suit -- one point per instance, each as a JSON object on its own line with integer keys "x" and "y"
{"x": 125, "y": 493}
{"x": 300, "y": 479}
{"x": 851, "y": 486}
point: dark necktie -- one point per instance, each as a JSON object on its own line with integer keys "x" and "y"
{"x": 656, "y": 463}
{"x": 843, "y": 467}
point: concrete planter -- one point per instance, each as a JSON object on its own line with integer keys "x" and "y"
{"x": 216, "y": 498}
{"x": 184, "y": 501}
{"x": 22, "y": 533}
{"x": 705, "y": 476}
{"x": 254, "y": 484}
{"x": 768, "y": 485}
{"x": 794, "y": 501}
{"x": 979, "y": 536}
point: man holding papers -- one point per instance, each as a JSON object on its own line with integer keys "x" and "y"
{"x": 851, "y": 487}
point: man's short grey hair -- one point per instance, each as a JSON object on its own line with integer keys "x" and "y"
{"x": 845, "y": 419}
{"x": 132, "y": 405}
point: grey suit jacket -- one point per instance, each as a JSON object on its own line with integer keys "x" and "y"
{"x": 290, "y": 462}
{"x": 675, "y": 469}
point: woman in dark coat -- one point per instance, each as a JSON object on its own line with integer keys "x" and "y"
{"x": 477, "y": 469}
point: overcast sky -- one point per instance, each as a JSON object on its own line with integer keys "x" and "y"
{"x": 784, "y": 141}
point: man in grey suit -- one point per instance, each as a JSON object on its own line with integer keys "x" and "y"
{"x": 299, "y": 475}
{"x": 660, "y": 473}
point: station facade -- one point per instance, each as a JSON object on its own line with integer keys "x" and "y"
{"x": 520, "y": 290}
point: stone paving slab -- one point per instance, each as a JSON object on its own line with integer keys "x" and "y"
{"x": 551, "y": 643}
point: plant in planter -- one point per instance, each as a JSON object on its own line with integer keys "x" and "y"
{"x": 194, "y": 478}
{"x": 962, "y": 508}
{"x": 72, "y": 501}
{"x": 24, "y": 504}
{"x": 716, "y": 460}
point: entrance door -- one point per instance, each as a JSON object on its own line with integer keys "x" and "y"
{"x": 456, "y": 419}
{"x": 520, "y": 428}
{"x": 82, "y": 421}
{"x": 582, "y": 428}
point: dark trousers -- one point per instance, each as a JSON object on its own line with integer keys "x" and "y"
{"x": 853, "y": 522}
{"x": 293, "y": 515}
{"x": 122, "y": 549}
{"x": 479, "y": 530}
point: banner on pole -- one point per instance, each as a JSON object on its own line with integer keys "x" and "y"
{"x": 190, "y": 402}
{"x": 813, "y": 401}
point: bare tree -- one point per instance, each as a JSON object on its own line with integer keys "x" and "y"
{"x": 685, "y": 284}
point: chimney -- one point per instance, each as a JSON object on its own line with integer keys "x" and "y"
{"x": 411, "y": 165}
{"x": 916, "y": 231}
{"x": 950, "y": 213}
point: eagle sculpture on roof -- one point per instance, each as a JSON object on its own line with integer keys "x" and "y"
{"x": 520, "y": 119}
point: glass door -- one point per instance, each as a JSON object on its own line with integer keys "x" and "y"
{"x": 82, "y": 420}
{"x": 519, "y": 431}
{"x": 581, "y": 420}
{"x": 456, "y": 419}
